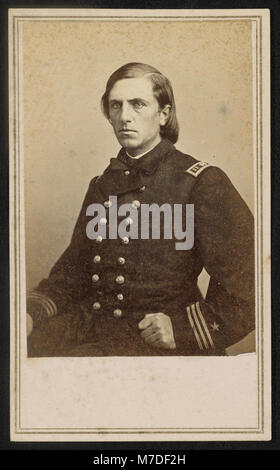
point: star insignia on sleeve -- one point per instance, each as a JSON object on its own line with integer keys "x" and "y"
{"x": 215, "y": 326}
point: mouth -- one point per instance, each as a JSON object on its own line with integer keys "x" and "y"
{"x": 126, "y": 131}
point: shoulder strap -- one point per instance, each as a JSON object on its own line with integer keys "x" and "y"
{"x": 197, "y": 168}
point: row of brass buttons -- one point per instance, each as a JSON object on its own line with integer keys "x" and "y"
{"x": 125, "y": 240}
{"x": 128, "y": 220}
{"x": 127, "y": 172}
{"x": 134, "y": 203}
{"x": 117, "y": 312}
{"x": 119, "y": 279}
{"x": 97, "y": 305}
{"x": 97, "y": 259}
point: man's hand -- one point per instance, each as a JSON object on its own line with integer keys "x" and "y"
{"x": 157, "y": 330}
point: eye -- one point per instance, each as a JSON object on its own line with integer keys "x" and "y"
{"x": 115, "y": 105}
{"x": 138, "y": 104}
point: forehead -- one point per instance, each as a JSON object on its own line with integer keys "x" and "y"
{"x": 130, "y": 88}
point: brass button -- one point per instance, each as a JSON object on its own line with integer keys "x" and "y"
{"x": 121, "y": 260}
{"x": 120, "y": 296}
{"x": 117, "y": 313}
{"x": 98, "y": 239}
{"x": 96, "y": 306}
{"x": 103, "y": 221}
{"x": 95, "y": 278}
{"x": 107, "y": 204}
{"x": 127, "y": 172}
{"x": 97, "y": 259}
{"x": 142, "y": 189}
{"x": 136, "y": 204}
{"x": 119, "y": 279}
{"x": 125, "y": 240}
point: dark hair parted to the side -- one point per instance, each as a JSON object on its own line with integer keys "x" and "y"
{"x": 162, "y": 90}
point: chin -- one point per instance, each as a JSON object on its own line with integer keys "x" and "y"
{"x": 128, "y": 144}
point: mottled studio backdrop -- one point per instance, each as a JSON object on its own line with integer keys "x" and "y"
{"x": 67, "y": 140}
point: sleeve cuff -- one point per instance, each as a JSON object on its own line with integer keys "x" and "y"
{"x": 200, "y": 328}
{"x": 40, "y": 306}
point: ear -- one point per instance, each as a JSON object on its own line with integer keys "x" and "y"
{"x": 164, "y": 114}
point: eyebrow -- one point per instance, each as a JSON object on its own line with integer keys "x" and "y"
{"x": 132, "y": 100}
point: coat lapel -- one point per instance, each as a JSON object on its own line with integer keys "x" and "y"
{"x": 115, "y": 182}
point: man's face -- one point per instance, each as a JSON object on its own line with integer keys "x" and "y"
{"x": 135, "y": 115}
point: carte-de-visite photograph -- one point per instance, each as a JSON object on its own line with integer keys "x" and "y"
{"x": 137, "y": 185}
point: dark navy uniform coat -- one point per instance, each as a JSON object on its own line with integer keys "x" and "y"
{"x": 100, "y": 289}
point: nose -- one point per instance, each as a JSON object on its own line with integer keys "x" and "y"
{"x": 125, "y": 114}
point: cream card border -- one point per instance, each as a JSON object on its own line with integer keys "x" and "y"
{"x": 260, "y": 41}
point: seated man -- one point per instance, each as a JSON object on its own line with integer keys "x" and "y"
{"x": 125, "y": 289}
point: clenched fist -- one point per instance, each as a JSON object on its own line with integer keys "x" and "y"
{"x": 157, "y": 330}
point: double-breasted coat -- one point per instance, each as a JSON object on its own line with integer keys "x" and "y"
{"x": 99, "y": 289}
